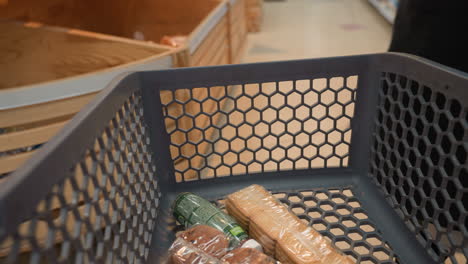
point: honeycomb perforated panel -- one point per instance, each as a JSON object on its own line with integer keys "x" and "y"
{"x": 103, "y": 211}
{"x": 419, "y": 159}
{"x": 259, "y": 127}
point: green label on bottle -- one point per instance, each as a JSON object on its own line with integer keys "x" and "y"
{"x": 237, "y": 231}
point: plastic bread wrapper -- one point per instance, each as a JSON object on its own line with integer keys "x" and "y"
{"x": 184, "y": 252}
{"x": 281, "y": 233}
{"x": 206, "y": 238}
{"x": 247, "y": 256}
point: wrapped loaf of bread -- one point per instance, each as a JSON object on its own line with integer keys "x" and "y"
{"x": 184, "y": 252}
{"x": 199, "y": 244}
{"x": 282, "y": 234}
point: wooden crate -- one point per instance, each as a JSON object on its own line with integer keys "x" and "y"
{"x": 204, "y": 22}
{"x": 237, "y": 30}
{"x": 50, "y": 73}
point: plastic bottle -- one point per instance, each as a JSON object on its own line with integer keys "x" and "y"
{"x": 190, "y": 209}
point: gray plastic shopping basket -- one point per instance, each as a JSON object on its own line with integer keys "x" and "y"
{"x": 370, "y": 150}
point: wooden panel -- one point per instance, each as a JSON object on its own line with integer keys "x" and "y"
{"x": 10, "y": 163}
{"x": 221, "y": 49}
{"x": 237, "y": 30}
{"x": 217, "y": 35}
{"x": 39, "y": 54}
{"x": 40, "y": 112}
{"x": 29, "y": 137}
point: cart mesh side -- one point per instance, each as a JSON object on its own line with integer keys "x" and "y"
{"x": 419, "y": 159}
{"x": 105, "y": 208}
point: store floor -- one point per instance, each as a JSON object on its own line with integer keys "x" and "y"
{"x": 297, "y": 29}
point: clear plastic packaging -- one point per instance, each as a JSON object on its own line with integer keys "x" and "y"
{"x": 247, "y": 256}
{"x": 282, "y": 234}
{"x": 184, "y": 252}
{"x": 206, "y": 238}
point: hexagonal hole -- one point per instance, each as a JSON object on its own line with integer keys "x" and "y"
{"x": 298, "y": 210}
{"x": 246, "y": 157}
{"x": 319, "y": 84}
{"x": 278, "y": 128}
{"x": 380, "y": 254}
{"x": 294, "y": 99}
{"x": 245, "y": 131}
{"x": 286, "y": 114}
{"x": 278, "y": 154}
{"x": 362, "y": 250}
{"x": 349, "y": 223}
{"x": 327, "y": 97}
{"x": 262, "y": 129}
{"x": 236, "y": 118}
{"x": 337, "y": 231}
{"x": 318, "y": 138}
{"x": 302, "y": 85}
{"x": 251, "y": 89}
{"x": 262, "y": 155}
{"x": 286, "y": 140}
{"x": 257, "y": 167}
{"x": 178, "y": 138}
{"x": 458, "y": 131}
{"x": 443, "y": 122}
{"x": 335, "y": 111}
{"x": 319, "y": 111}
{"x": 319, "y": 227}
{"x": 349, "y": 110}
{"x": 260, "y": 102}
{"x": 326, "y": 207}
{"x": 221, "y": 146}
{"x": 311, "y": 98}
{"x": 237, "y": 145}
{"x": 310, "y": 126}
{"x": 318, "y": 163}
{"x": 352, "y": 81}
{"x": 343, "y": 124}
{"x": 461, "y": 154}
{"x": 343, "y": 245}
{"x": 243, "y": 103}
{"x": 327, "y": 124}
{"x": 228, "y": 132}
{"x": 331, "y": 219}
{"x": 227, "y": 105}
{"x": 302, "y": 139}
{"x": 302, "y": 113}
{"x": 294, "y": 127}
{"x": 277, "y": 101}
{"x": 294, "y": 153}
{"x": 326, "y": 150}
{"x": 254, "y": 143}
{"x": 219, "y": 120}
{"x": 336, "y": 83}
{"x": 270, "y": 142}
{"x": 187, "y": 150}
{"x": 310, "y": 151}
{"x": 269, "y": 115}
{"x": 252, "y": 117}
{"x": 354, "y": 235}
{"x": 230, "y": 158}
